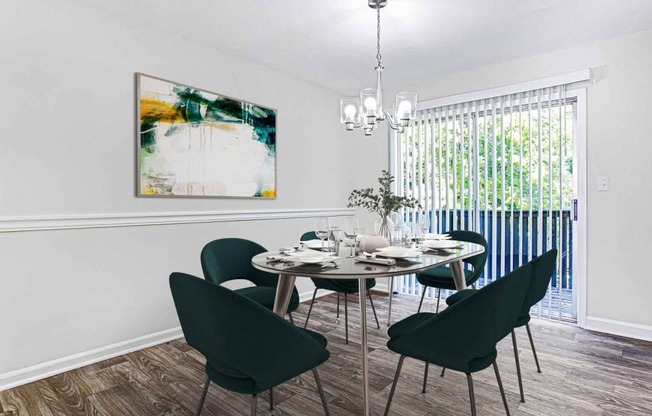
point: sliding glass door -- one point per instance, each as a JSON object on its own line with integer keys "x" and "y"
{"x": 502, "y": 167}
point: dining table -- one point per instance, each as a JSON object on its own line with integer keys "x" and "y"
{"x": 349, "y": 267}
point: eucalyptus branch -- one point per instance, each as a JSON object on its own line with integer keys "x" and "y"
{"x": 384, "y": 202}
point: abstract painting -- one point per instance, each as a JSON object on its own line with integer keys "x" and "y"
{"x": 194, "y": 143}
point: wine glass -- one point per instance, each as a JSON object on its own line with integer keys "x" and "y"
{"x": 351, "y": 228}
{"x": 322, "y": 230}
{"x": 423, "y": 223}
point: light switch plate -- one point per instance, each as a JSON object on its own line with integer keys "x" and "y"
{"x": 603, "y": 183}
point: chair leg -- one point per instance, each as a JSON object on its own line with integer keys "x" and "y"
{"x": 500, "y": 386}
{"x": 321, "y": 391}
{"x": 254, "y": 404}
{"x": 534, "y": 351}
{"x": 438, "y": 298}
{"x": 518, "y": 367}
{"x": 425, "y": 378}
{"x": 469, "y": 380}
{"x": 373, "y": 309}
{"x": 423, "y": 293}
{"x": 346, "y": 318}
{"x": 338, "y": 304}
{"x": 271, "y": 399}
{"x": 291, "y": 318}
{"x": 443, "y": 370}
{"x": 310, "y": 309}
{"x": 391, "y": 392}
{"x": 203, "y": 396}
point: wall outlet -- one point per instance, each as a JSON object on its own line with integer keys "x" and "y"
{"x": 603, "y": 183}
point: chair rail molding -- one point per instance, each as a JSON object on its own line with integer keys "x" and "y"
{"x": 83, "y": 221}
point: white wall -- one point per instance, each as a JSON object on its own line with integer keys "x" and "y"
{"x": 619, "y": 108}
{"x": 67, "y": 147}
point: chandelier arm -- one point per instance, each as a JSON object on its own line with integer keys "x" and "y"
{"x": 392, "y": 121}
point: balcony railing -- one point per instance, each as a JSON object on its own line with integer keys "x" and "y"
{"x": 527, "y": 234}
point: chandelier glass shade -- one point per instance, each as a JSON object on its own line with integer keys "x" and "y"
{"x": 366, "y": 111}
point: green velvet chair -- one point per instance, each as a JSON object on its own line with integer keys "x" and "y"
{"x": 542, "y": 269}
{"x": 442, "y": 277}
{"x": 464, "y": 336}
{"x": 248, "y": 348}
{"x": 345, "y": 286}
{"x": 230, "y": 258}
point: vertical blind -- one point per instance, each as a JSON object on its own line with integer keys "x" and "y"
{"x": 502, "y": 167}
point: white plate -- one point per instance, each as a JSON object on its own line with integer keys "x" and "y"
{"x": 311, "y": 258}
{"x": 432, "y": 236}
{"x": 400, "y": 254}
{"x": 444, "y": 244}
{"x": 316, "y": 244}
{"x": 395, "y": 249}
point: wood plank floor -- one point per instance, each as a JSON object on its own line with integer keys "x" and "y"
{"x": 584, "y": 373}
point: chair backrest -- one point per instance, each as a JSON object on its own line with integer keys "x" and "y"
{"x": 477, "y": 262}
{"x": 542, "y": 269}
{"x": 472, "y": 327}
{"x": 230, "y": 258}
{"x": 237, "y": 333}
{"x": 308, "y": 235}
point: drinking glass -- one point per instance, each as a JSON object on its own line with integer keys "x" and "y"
{"x": 360, "y": 246}
{"x": 423, "y": 223}
{"x": 336, "y": 232}
{"x": 351, "y": 228}
{"x": 322, "y": 230}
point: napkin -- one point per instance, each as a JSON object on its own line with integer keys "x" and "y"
{"x": 375, "y": 260}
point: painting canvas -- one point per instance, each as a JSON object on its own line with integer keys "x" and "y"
{"x": 194, "y": 143}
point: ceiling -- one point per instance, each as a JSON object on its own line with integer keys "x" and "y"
{"x": 332, "y": 43}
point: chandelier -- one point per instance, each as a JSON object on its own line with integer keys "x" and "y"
{"x": 367, "y": 111}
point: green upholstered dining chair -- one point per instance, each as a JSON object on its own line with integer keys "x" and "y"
{"x": 464, "y": 336}
{"x": 248, "y": 348}
{"x": 542, "y": 269}
{"x": 230, "y": 258}
{"x": 345, "y": 286}
{"x": 442, "y": 277}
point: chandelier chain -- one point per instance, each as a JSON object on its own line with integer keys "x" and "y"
{"x": 378, "y": 55}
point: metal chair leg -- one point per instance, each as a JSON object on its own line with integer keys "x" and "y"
{"x": 423, "y": 293}
{"x": 321, "y": 391}
{"x": 373, "y": 309}
{"x": 500, "y": 386}
{"x": 438, "y": 298}
{"x": 534, "y": 351}
{"x": 425, "y": 378}
{"x": 443, "y": 370}
{"x": 203, "y": 396}
{"x": 310, "y": 309}
{"x": 346, "y": 318}
{"x": 271, "y": 399}
{"x": 254, "y": 403}
{"x": 391, "y": 295}
{"x": 338, "y": 304}
{"x": 518, "y": 367}
{"x": 291, "y": 318}
{"x": 391, "y": 392}
{"x": 469, "y": 380}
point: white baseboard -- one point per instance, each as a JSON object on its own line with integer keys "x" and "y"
{"x": 624, "y": 329}
{"x": 307, "y": 296}
{"x": 61, "y": 365}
